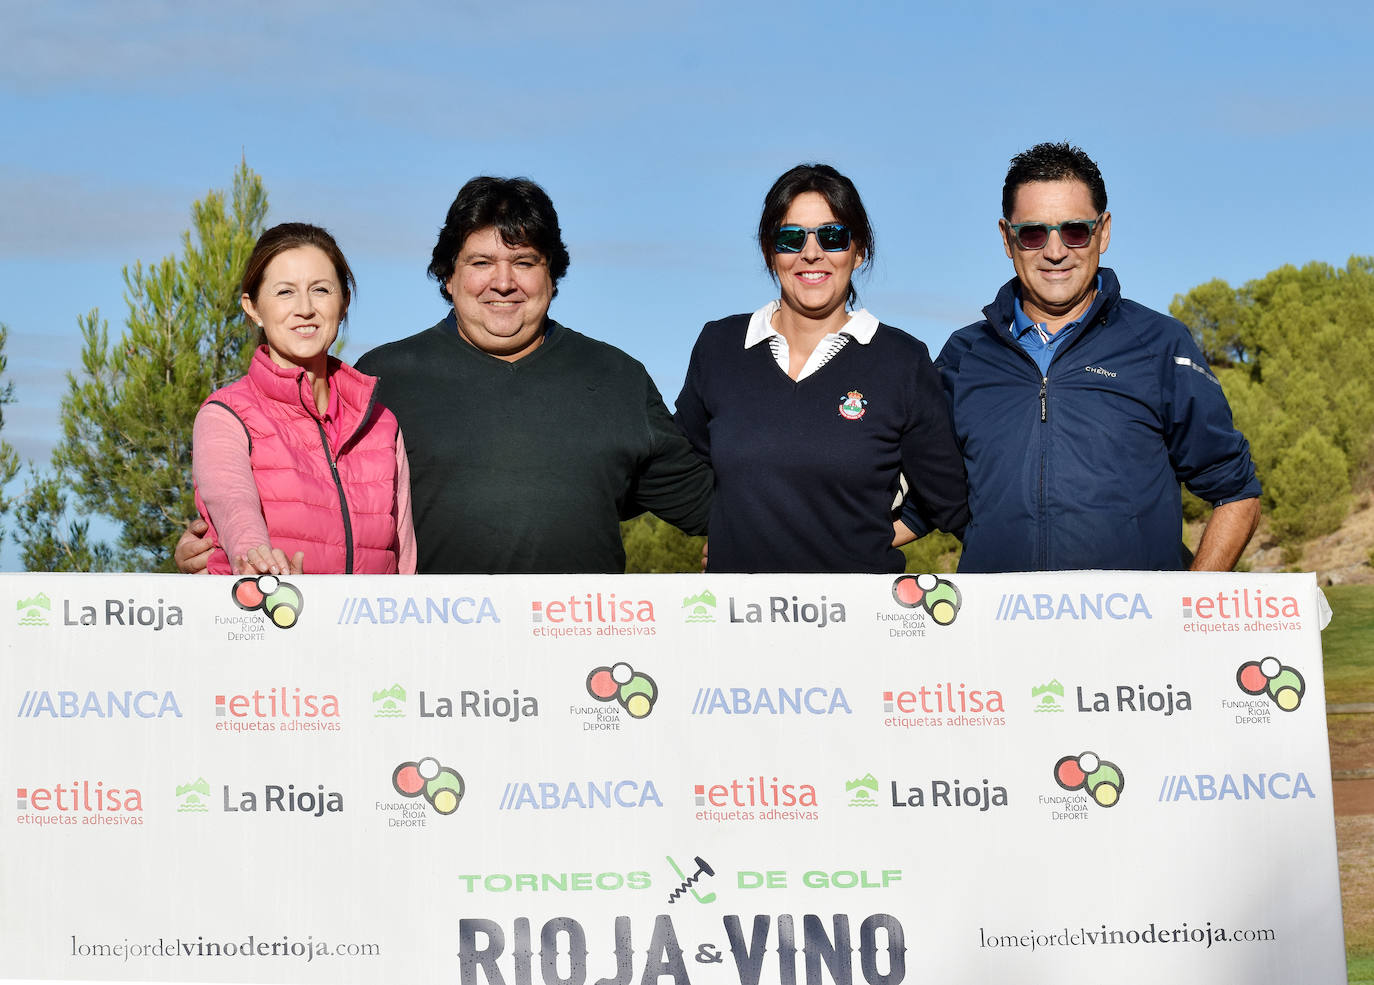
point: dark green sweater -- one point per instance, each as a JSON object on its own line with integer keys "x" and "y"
{"x": 528, "y": 467}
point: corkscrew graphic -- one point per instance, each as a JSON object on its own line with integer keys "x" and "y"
{"x": 703, "y": 868}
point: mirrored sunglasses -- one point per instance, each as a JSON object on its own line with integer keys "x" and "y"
{"x": 833, "y": 237}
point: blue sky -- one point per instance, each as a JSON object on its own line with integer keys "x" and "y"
{"x": 1234, "y": 137}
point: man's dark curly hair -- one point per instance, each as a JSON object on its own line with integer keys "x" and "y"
{"x": 1053, "y": 162}
{"x": 519, "y": 210}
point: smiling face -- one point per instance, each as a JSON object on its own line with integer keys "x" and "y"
{"x": 299, "y": 306}
{"x": 501, "y": 295}
{"x": 814, "y": 283}
{"x": 1057, "y": 283}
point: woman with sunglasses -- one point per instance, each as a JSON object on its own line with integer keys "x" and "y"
{"x": 296, "y": 463}
{"x": 810, "y": 411}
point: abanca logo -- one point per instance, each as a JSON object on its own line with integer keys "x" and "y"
{"x": 97, "y": 704}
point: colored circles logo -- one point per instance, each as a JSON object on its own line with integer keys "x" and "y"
{"x": 1283, "y": 685}
{"x": 635, "y": 692}
{"x": 935, "y": 595}
{"x": 441, "y": 786}
{"x": 280, "y": 601}
{"x": 1101, "y": 780}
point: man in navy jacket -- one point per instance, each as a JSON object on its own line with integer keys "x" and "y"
{"x": 1079, "y": 412}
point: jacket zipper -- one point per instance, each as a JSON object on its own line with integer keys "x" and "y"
{"x": 343, "y": 502}
{"x": 334, "y": 471}
{"x": 1043, "y": 534}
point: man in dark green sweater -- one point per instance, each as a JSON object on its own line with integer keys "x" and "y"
{"x": 528, "y": 442}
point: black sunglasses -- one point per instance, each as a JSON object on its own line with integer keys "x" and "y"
{"x": 1075, "y": 234}
{"x": 833, "y": 237}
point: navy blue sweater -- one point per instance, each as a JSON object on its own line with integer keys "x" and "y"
{"x": 806, "y": 471}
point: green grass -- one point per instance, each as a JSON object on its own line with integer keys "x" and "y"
{"x": 1348, "y": 657}
{"x": 1359, "y": 969}
{"x": 1348, "y": 644}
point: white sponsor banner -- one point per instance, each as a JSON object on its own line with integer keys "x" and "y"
{"x": 667, "y": 780}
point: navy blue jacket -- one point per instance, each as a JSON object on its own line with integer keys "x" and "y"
{"x": 1080, "y": 468}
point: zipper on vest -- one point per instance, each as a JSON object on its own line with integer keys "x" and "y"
{"x": 343, "y": 501}
{"x": 1043, "y": 533}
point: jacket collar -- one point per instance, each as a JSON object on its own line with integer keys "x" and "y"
{"x": 1002, "y": 312}
{"x": 352, "y": 392}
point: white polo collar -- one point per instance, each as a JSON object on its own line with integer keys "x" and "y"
{"x": 860, "y": 327}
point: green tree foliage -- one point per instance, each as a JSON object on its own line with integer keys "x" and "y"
{"x": 1310, "y": 478}
{"x": 126, "y": 418}
{"x": 51, "y": 540}
{"x": 1295, "y": 351}
{"x": 652, "y": 546}
{"x": 9, "y": 459}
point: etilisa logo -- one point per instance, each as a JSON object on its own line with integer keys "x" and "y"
{"x": 1242, "y": 609}
{"x": 700, "y": 607}
{"x": 592, "y": 614}
{"x": 277, "y": 709}
{"x": 1282, "y": 685}
{"x": 280, "y": 601}
{"x": 755, "y": 798}
{"x": 193, "y": 797}
{"x": 98, "y": 704}
{"x": 770, "y": 701}
{"x": 78, "y": 802}
{"x": 35, "y": 610}
{"x": 1102, "y": 781}
{"x": 1071, "y": 606}
{"x": 440, "y": 786}
{"x": 389, "y": 702}
{"x": 863, "y": 791}
{"x": 431, "y": 610}
{"x": 560, "y": 795}
{"x": 1049, "y": 697}
{"x": 944, "y": 704}
{"x": 632, "y": 690}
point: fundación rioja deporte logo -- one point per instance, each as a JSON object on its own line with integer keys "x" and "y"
{"x": 937, "y": 596}
{"x": 280, "y": 601}
{"x": 441, "y": 786}
{"x": 635, "y": 692}
{"x": 1089, "y": 772}
{"x": 1283, "y": 685}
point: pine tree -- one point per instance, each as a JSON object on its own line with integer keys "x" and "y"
{"x": 127, "y": 417}
{"x": 9, "y": 460}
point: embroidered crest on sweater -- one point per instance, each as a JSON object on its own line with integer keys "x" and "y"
{"x": 853, "y": 406}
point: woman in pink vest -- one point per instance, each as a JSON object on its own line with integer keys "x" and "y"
{"x": 296, "y": 466}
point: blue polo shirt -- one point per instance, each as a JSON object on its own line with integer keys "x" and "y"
{"x": 1039, "y": 344}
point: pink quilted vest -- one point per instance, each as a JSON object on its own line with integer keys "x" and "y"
{"x": 343, "y": 521}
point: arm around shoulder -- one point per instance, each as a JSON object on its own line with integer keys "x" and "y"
{"x": 405, "y": 526}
